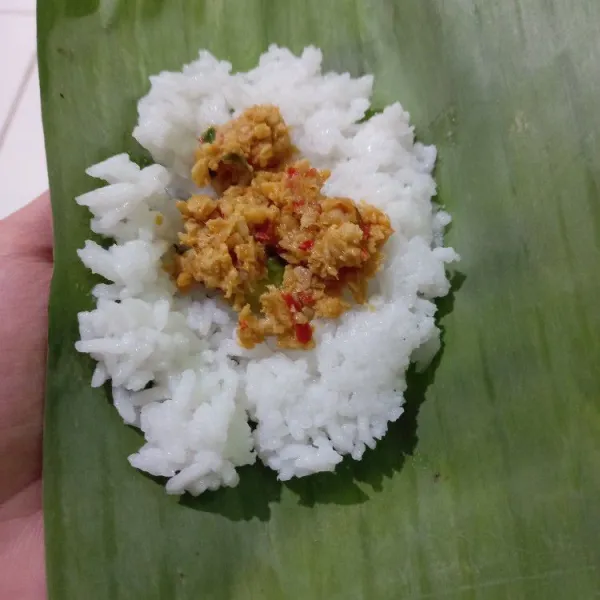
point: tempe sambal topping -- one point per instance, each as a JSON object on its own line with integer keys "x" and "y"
{"x": 230, "y": 154}
{"x": 281, "y": 252}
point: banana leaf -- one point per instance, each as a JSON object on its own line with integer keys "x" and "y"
{"x": 489, "y": 486}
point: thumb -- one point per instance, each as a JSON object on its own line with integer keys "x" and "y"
{"x": 28, "y": 232}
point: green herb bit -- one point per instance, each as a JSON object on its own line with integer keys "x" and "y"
{"x": 233, "y": 158}
{"x": 275, "y": 271}
{"x": 208, "y": 137}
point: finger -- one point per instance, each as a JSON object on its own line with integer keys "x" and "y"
{"x": 28, "y": 232}
{"x": 22, "y": 571}
{"x": 23, "y": 329}
{"x": 25, "y": 254}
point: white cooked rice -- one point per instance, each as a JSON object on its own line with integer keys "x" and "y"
{"x": 308, "y": 409}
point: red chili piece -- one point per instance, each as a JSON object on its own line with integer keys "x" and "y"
{"x": 306, "y": 245}
{"x": 243, "y": 325}
{"x": 263, "y": 232}
{"x": 291, "y": 302}
{"x": 306, "y": 298}
{"x": 303, "y": 333}
{"x": 296, "y": 204}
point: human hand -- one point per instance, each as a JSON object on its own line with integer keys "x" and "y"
{"x": 25, "y": 272}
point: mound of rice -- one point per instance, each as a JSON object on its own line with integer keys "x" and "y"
{"x": 205, "y": 405}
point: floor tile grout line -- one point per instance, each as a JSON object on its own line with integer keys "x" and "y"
{"x": 14, "y": 106}
{"x": 17, "y": 12}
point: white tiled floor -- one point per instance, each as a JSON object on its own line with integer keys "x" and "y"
{"x": 23, "y": 173}
{"x": 17, "y": 5}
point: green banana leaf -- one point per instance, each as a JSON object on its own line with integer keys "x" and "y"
{"x": 489, "y": 487}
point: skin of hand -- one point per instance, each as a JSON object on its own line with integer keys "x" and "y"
{"x": 25, "y": 272}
